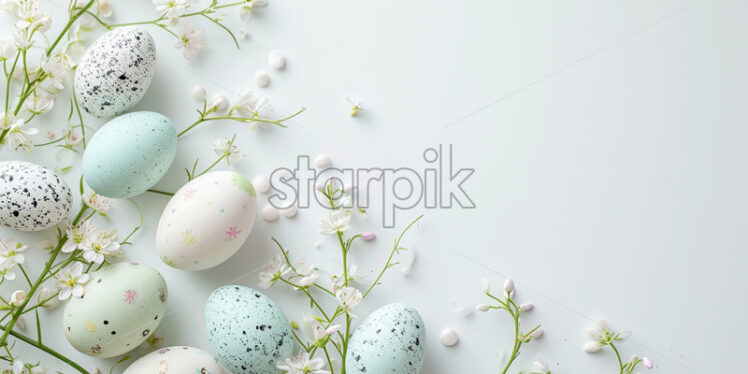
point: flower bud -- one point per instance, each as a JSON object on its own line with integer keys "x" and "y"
{"x": 333, "y": 329}
{"x": 368, "y": 236}
{"x": 592, "y": 347}
{"x": 508, "y": 285}
{"x": 46, "y": 298}
{"x": 482, "y": 308}
{"x": 198, "y": 93}
{"x": 647, "y": 363}
{"x": 486, "y": 285}
{"x": 526, "y": 307}
{"x": 18, "y": 297}
{"x": 220, "y": 102}
{"x": 537, "y": 334}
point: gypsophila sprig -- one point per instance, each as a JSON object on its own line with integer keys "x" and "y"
{"x": 506, "y": 302}
{"x": 246, "y": 109}
{"x": 601, "y": 336}
{"x": 326, "y": 332}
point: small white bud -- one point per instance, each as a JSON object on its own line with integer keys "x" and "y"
{"x": 482, "y": 308}
{"x": 220, "y": 102}
{"x": 198, "y": 93}
{"x": 592, "y": 347}
{"x": 537, "y": 334}
{"x": 526, "y": 307}
{"x": 486, "y": 285}
{"x": 508, "y": 285}
{"x": 18, "y": 297}
{"x": 46, "y": 294}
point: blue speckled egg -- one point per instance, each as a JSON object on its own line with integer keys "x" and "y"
{"x": 32, "y": 197}
{"x": 247, "y": 331}
{"x": 122, "y": 305}
{"x": 390, "y": 340}
{"x": 115, "y": 72}
{"x": 130, "y": 154}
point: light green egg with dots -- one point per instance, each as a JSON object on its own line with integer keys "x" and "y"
{"x": 391, "y": 340}
{"x": 122, "y": 305}
{"x": 129, "y": 154}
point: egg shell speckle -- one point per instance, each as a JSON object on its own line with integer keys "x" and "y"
{"x": 122, "y": 306}
{"x": 207, "y": 221}
{"x": 115, "y": 72}
{"x": 390, "y": 340}
{"x": 130, "y": 154}
{"x": 32, "y": 197}
{"x": 176, "y": 360}
{"x": 247, "y": 330}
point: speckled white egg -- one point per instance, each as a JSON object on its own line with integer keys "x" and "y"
{"x": 207, "y": 221}
{"x": 247, "y": 331}
{"x": 32, "y": 197}
{"x": 122, "y": 305}
{"x": 390, "y": 340}
{"x": 115, "y": 72}
{"x": 176, "y": 360}
{"x": 130, "y": 154}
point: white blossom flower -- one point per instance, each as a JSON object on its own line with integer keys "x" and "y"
{"x": 244, "y": 102}
{"x": 103, "y": 8}
{"x": 191, "y": 40}
{"x": 172, "y": 8}
{"x": 339, "y": 221}
{"x": 39, "y": 102}
{"x": 308, "y": 272}
{"x": 273, "y": 271}
{"x": 11, "y": 252}
{"x": 7, "y": 49}
{"x": 248, "y": 7}
{"x": 20, "y": 368}
{"x": 47, "y": 298}
{"x": 225, "y": 147}
{"x": 540, "y": 366}
{"x": 348, "y": 298}
{"x": 302, "y": 364}
{"x": 261, "y": 108}
{"x": 99, "y": 246}
{"x": 18, "y": 135}
{"x": 71, "y": 281}
{"x": 5, "y": 271}
{"x": 219, "y": 102}
{"x": 18, "y": 297}
{"x": 592, "y": 347}
{"x": 312, "y": 328}
{"x": 23, "y": 44}
{"x": 55, "y": 69}
{"x": 10, "y": 6}
{"x": 30, "y": 17}
{"x": 99, "y": 203}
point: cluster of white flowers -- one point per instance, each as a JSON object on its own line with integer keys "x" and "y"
{"x": 225, "y": 147}
{"x": 601, "y": 336}
{"x": 19, "y": 367}
{"x": 303, "y": 364}
{"x": 273, "y": 271}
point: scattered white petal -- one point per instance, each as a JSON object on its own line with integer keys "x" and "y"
{"x": 317, "y": 244}
{"x": 322, "y": 161}
{"x": 276, "y": 60}
{"x": 262, "y": 79}
{"x": 269, "y": 213}
{"x": 261, "y": 184}
{"x": 449, "y": 337}
{"x": 290, "y": 212}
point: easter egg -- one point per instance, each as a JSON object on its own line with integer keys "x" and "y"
{"x": 32, "y": 197}
{"x": 177, "y": 360}
{"x": 390, "y": 340}
{"x": 129, "y": 154}
{"x": 122, "y": 305}
{"x": 247, "y": 331}
{"x": 207, "y": 221}
{"x": 115, "y": 72}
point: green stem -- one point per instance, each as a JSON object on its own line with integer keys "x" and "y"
{"x": 392, "y": 254}
{"x": 618, "y": 355}
{"x": 17, "y": 313}
{"x": 46, "y": 349}
{"x": 517, "y": 342}
{"x": 161, "y": 192}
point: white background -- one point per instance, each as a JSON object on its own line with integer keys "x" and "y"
{"x": 608, "y": 139}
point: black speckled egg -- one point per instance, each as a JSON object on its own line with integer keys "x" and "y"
{"x": 247, "y": 331}
{"x": 391, "y": 340}
{"x": 32, "y": 197}
{"x": 115, "y": 71}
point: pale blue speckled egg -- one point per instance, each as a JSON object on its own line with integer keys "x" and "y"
{"x": 115, "y": 72}
{"x": 130, "y": 154}
{"x": 247, "y": 331}
{"x": 390, "y": 340}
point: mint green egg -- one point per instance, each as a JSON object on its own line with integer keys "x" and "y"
{"x": 130, "y": 154}
{"x": 391, "y": 340}
{"x": 122, "y": 305}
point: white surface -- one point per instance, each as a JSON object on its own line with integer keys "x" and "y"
{"x": 608, "y": 139}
